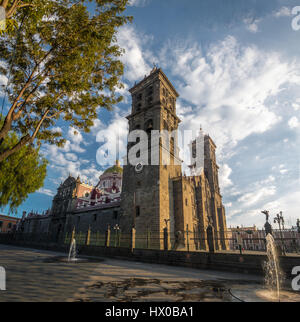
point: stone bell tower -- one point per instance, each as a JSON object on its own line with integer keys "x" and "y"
{"x": 147, "y": 185}
{"x": 211, "y": 170}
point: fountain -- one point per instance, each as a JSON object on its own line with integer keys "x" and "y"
{"x": 273, "y": 274}
{"x": 72, "y": 251}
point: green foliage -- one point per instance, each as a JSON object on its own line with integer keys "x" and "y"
{"x": 21, "y": 174}
{"x": 65, "y": 65}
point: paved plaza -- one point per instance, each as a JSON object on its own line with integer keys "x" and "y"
{"x": 34, "y": 275}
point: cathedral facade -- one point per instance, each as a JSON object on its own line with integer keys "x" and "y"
{"x": 158, "y": 197}
{"x": 150, "y": 196}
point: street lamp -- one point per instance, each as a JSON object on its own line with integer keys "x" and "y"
{"x": 298, "y": 225}
{"x": 280, "y": 220}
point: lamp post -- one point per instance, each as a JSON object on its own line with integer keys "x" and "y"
{"x": 239, "y": 239}
{"x": 117, "y": 239}
{"x": 280, "y": 220}
{"x": 298, "y": 230}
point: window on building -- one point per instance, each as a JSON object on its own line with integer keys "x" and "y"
{"x": 115, "y": 214}
{"x": 137, "y": 211}
{"x": 9, "y": 225}
{"x": 1, "y": 224}
{"x": 149, "y": 90}
{"x": 95, "y": 217}
{"x": 172, "y": 144}
{"x": 78, "y": 219}
{"x": 149, "y": 128}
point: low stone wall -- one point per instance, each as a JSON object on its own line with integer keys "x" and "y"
{"x": 248, "y": 264}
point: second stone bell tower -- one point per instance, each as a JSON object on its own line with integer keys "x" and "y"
{"x": 147, "y": 196}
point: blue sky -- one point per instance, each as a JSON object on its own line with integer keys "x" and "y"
{"x": 236, "y": 66}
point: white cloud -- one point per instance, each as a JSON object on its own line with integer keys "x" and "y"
{"x": 112, "y": 140}
{"x": 75, "y": 135}
{"x": 296, "y": 106}
{"x": 136, "y": 65}
{"x": 3, "y": 83}
{"x": 225, "y": 172}
{"x": 231, "y": 85}
{"x": 74, "y": 141}
{"x": 293, "y": 122}
{"x": 65, "y": 163}
{"x": 252, "y": 198}
{"x": 252, "y": 24}
{"x": 98, "y": 125}
{"x": 137, "y": 3}
{"x": 283, "y": 12}
{"x": 91, "y": 174}
{"x": 71, "y": 156}
{"x": 46, "y": 192}
{"x": 56, "y": 129}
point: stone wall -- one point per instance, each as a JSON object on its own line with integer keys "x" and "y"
{"x": 97, "y": 218}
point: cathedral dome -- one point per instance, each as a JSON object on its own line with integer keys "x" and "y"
{"x": 115, "y": 169}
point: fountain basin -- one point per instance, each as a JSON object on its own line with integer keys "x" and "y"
{"x": 64, "y": 259}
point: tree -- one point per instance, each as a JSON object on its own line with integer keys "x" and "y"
{"x": 62, "y": 64}
{"x": 21, "y": 174}
{"x": 13, "y": 7}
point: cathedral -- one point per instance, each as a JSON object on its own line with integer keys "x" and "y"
{"x": 149, "y": 197}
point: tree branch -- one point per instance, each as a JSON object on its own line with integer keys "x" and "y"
{"x": 4, "y": 4}
{"x": 4, "y": 155}
{"x": 9, "y": 118}
{"x": 16, "y": 5}
{"x": 24, "y": 140}
{"x": 12, "y": 10}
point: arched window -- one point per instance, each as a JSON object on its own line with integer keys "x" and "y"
{"x": 138, "y": 107}
{"x": 137, "y": 211}
{"x": 149, "y": 127}
{"x": 172, "y": 145}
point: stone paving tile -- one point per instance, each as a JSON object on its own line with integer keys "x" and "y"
{"x": 33, "y": 276}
